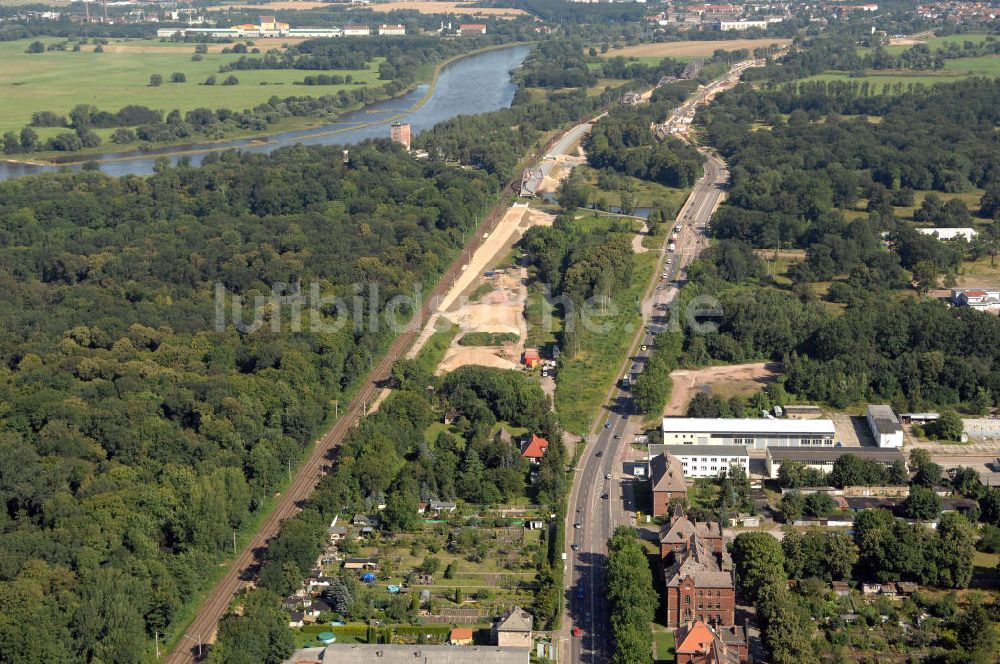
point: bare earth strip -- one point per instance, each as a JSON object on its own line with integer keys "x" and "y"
{"x": 668, "y": 49}
{"x": 726, "y": 380}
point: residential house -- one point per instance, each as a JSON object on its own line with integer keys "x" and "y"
{"x": 841, "y": 588}
{"x": 533, "y": 449}
{"x": 363, "y": 521}
{"x": 461, "y": 636}
{"x": 666, "y": 475}
{"x": 513, "y": 629}
{"x": 296, "y": 619}
{"x": 700, "y": 643}
{"x": 438, "y": 506}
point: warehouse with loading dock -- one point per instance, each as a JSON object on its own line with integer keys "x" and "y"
{"x": 754, "y": 434}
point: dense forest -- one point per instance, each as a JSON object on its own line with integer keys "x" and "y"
{"x": 136, "y": 434}
{"x": 915, "y": 354}
{"x": 788, "y": 181}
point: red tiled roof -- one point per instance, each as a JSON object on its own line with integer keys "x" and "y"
{"x": 535, "y": 449}
{"x": 472, "y": 26}
{"x": 461, "y": 634}
{"x": 698, "y": 639}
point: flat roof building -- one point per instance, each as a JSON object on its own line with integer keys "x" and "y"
{"x": 822, "y": 459}
{"x": 756, "y": 434}
{"x": 885, "y": 426}
{"x": 705, "y": 460}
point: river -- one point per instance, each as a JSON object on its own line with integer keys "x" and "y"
{"x": 474, "y": 84}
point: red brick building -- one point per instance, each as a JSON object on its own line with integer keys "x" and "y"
{"x": 676, "y": 536}
{"x": 699, "y": 643}
{"x": 667, "y": 477}
{"x": 697, "y": 574}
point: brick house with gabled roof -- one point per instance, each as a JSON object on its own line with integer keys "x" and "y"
{"x": 675, "y": 536}
{"x": 667, "y": 476}
{"x": 513, "y": 629}
{"x": 534, "y": 448}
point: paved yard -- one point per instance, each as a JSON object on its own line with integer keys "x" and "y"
{"x": 852, "y": 430}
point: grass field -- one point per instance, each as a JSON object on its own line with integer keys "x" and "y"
{"x": 690, "y": 49}
{"x": 59, "y": 80}
{"x": 663, "y": 641}
{"x": 954, "y": 70}
{"x": 939, "y": 42}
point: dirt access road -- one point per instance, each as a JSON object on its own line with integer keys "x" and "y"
{"x": 736, "y": 378}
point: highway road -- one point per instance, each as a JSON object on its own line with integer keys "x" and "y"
{"x": 601, "y": 498}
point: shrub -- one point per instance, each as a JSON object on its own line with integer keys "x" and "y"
{"x": 178, "y": 77}
{"x": 155, "y": 80}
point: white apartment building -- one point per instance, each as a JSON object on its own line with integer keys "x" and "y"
{"x": 705, "y": 460}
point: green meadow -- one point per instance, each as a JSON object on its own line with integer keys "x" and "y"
{"x": 954, "y": 70}
{"x": 59, "y": 80}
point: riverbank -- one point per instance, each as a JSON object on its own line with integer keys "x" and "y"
{"x": 299, "y": 128}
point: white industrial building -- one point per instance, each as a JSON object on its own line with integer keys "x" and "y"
{"x": 823, "y": 459}
{"x": 755, "y": 434}
{"x": 885, "y": 426}
{"x": 705, "y": 460}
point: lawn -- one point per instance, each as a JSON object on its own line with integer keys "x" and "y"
{"x": 433, "y": 351}
{"x": 663, "y": 643}
{"x": 59, "y": 80}
{"x": 584, "y": 380}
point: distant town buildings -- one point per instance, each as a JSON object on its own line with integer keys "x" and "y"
{"x": 396, "y": 30}
{"x": 356, "y": 31}
{"x": 267, "y": 26}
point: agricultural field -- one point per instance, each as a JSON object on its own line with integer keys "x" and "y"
{"x": 954, "y": 70}
{"x": 51, "y": 81}
{"x": 938, "y": 42}
{"x": 682, "y": 50}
